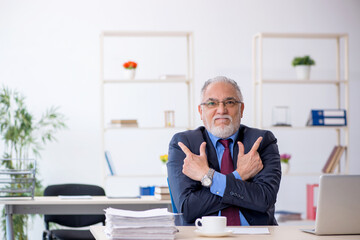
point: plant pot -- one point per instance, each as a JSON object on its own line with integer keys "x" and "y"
{"x": 302, "y": 72}
{"x": 129, "y": 73}
{"x": 285, "y": 167}
{"x": 164, "y": 169}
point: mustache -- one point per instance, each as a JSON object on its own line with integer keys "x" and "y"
{"x": 222, "y": 116}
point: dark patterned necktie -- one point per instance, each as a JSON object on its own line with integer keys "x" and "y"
{"x": 227, "y": 166}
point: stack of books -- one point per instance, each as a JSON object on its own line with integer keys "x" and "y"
{"x": 283, "y": 216}
{"x": 125, "y": 122}
{"x": 151, "y": 224}
{"x": 327, "y": 117}
{"x": 162, "y": 193}
{"x": 334, "y": 159}
{"x": 172, "y": 76}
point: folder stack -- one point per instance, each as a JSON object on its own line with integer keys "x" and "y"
{"x": 151, "y": 224}
{"x": 327, "y": 117}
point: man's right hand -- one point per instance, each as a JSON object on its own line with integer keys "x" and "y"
{"x": 250, "y": 164}
{"x": 195, "y": 166}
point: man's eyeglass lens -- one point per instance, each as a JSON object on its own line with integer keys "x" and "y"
{"x": 215, "y": 104}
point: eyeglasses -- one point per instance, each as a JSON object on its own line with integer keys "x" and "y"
{"x": 214, "y": 103}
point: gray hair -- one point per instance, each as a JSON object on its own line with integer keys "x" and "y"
{"x": 221, "y": 79}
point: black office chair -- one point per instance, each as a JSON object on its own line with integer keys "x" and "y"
{"x": 72, "y": 220}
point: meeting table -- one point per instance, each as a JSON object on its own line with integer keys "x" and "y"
{"x": 284, "y": 232}
{"x": 76, "y": 205}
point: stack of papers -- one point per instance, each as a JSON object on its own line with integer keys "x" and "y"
{"x": 150, "y": 224}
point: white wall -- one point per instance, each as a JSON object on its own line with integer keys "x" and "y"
{"x": 49, "y": 50}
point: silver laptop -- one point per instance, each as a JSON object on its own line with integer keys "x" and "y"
{"x": 338, "y": 206}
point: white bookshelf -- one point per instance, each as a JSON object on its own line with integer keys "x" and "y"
{"x": 340, "y": 82}
{"x": 157, "y": 82}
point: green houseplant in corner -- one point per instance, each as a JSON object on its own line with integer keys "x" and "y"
{"x": 302, "y": 66}
{"x": 23, "y": 138}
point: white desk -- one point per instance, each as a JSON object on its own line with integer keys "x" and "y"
{"x": 276, "y": 233}
{"x": 55, "y": 205}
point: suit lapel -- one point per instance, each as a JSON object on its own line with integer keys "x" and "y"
{"x": 239, "y": 138}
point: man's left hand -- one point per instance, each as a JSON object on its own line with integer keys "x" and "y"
{"x": 195, "y": 166}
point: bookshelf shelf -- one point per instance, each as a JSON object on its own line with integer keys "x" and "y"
{"x": 134, "y": 148}
{"x": 309, "y": 128}
{"x": 340, "y": 94}
{"x": 145, "y": 128}
{"x": 301, "y": 35}
{"x": 150, "y": 81}
{"x": 295, "y": 81}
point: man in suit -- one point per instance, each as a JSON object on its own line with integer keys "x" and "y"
{"x": 224, "y": 168}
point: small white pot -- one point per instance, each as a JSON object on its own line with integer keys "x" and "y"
{"x": 285, "y": 167}
{"x": 129, "y": 73}
{"x": 302, "y": 72}
{"x": 164, "y": 169}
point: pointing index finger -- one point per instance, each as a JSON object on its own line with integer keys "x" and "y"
{"x": 184, "y": 149}
{"x": 256, "y": 144}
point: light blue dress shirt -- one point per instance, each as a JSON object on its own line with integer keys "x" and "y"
{"x": 219, "y": 179}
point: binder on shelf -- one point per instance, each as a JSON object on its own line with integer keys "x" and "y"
{"x": 311, "y": 200}
{"x": 327, "y": 117}
{"x": 109, "y": 163}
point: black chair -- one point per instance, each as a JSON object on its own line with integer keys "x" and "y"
{"x": 72, "y": 220}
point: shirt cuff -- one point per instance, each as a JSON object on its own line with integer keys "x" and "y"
{"x": 219, "y": 184}
{"x": 236, "y": 175}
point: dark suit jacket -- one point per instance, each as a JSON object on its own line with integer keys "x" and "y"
{"x": 255, "y": 197}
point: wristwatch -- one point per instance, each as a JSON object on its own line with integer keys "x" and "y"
{"x": 206, "y": 180}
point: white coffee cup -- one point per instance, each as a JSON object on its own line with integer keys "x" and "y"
{"x": 211, "y": 224}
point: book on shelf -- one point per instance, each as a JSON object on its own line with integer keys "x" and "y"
{"x": 327, "y": 117}
{"x": 333, "y": 159}
{"x": 109, "y": 163}
{"x": 124, "y": 122}
{"x": 336, "y": 161}
{"x": 283, "y": 216}
{"x": 173, "y": 76}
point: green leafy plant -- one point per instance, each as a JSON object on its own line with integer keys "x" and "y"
{"x": 306, "y": 60}
{"x": 23, "y": 138}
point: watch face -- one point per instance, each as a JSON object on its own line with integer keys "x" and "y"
{"x": 207, "y": 182}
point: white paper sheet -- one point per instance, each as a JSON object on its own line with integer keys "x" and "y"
{"x": 75, "y": 197}
{"x": 139, "y": 214}
{"x": 249, "y": 230}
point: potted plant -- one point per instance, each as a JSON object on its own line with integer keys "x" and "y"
{"x": 302, "y": 66}
{"x": 130, "y": 68}
{"x": 284, "y": 160}
{"x": 23, "y": 138}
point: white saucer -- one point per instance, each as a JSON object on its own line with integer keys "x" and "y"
{"x": 219, "y": 234}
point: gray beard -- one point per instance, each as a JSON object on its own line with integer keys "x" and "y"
{"x": 224, "y": 131}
